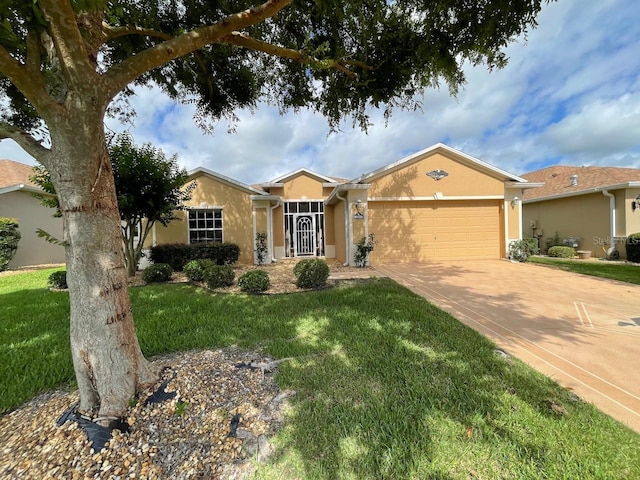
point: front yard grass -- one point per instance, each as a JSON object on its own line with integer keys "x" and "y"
{"x": 388, "y": 386}
{"x": 615, "y": 271}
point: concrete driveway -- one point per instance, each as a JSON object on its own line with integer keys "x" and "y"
{"x": 582, "y": 331}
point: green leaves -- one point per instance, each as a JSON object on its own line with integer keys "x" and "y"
{"x": 351, "y": 54}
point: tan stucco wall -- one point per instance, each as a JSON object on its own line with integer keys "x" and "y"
{"x": 412, "y": 180}
{"x": 340, "y": 231}
{"x": 278, "y": 227}
{"x": 584, "y": 216}
{"x": 237, "y": 219}
{"x": 302, "y": 187}
{"x": 513, "y": 219}
{"x": 261, "y": 219}
{"x": 32, "y": 250}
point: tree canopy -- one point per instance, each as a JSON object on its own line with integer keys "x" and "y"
{"x": 336, "y": 57}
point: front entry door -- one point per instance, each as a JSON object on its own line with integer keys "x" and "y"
{"x": 305, "y": 235}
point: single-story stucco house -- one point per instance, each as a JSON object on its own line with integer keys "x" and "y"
{"x": 597, "y": 207}
{"x": 436, "y": 204}
{"x": 17, "y": 201}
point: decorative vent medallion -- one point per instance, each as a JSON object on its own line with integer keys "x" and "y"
{"x": 437, "y": 174}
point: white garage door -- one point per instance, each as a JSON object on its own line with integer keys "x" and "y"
{"x": 409, "y": 231}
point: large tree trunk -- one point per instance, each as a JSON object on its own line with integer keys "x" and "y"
{"x": 107, "y": 359}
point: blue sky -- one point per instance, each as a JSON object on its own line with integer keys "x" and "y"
{"x": 570, "y": 94}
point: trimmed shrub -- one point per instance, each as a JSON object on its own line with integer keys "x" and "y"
{"x": 194, "y": 270}
{"x": 219, "y": 253}
{"x": 174, "y": 254}
{"x": 254, "y": 281}
{"x": 9, "y": 238}
{"x": 555, "y": 241}
{"x": 58, "y": 280}
{"x": 311, "y": 273}
{"x": 179, "y": 254}
{"x": 561, "y": 252}
{"x": 157, "y": 273}
{"x": 219, "y": 276}
{"x": 632, "y": 247}
{"x": 521, "y": 250}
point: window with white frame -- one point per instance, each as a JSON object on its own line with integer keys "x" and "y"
{"x": 205, "y": 225}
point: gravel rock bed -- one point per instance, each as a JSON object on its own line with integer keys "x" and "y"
{"x": 217, "y": 426}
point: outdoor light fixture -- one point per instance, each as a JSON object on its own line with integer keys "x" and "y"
{"x": 359, "y": 215}
{"x": 635, "y": 204}
{"x": 515, "y": 202}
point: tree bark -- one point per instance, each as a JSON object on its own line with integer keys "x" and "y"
{"x": 107, "y": 358}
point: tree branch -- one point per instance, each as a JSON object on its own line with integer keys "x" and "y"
{"x": 242, "y": 40}
{"x": 68, "y": 41}
{"x": 124, "y": 73}
{"x": 110, "y": 32}
{"x": 28, "y": 82}
{"x": 29, "y": 144}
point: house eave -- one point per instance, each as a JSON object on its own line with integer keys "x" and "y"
{"x": 525, "y": 184}
{"x": 23, "y": 187}
{"x": 344, "y": 187}
{"x": 587, "y": 191}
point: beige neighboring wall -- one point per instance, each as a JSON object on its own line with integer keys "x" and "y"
{"x": 237, "y": 217}
{"x": 32, "y": 250}
{"x": 584, "y": 216}
{"x": 632, "y": 218}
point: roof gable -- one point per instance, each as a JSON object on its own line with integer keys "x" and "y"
{"x": 558, "y": 183}
{"x": 197, "y": 172}
{"x": 446, "y": 150}
{"x": 303, "y": 171}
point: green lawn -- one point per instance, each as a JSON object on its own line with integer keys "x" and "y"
{"x": 398, "y": 388}
{"x": 616, "y": 271}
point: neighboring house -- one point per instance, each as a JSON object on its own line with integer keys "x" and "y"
{"x": 17, "y": 201}
{"x": 437, "y": 204}
{"x": 597, "y": 206}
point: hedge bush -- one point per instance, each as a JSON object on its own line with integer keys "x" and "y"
{"x": 58, "y": 280}
{"x": 219, "y": 276}
{"x": 194, "y": 270}
{"x": 157, "y": 273}
{"x": 561, "y": 252}
{"x": 179, "y": 254}
{"x": 254, "y": 281}
{"x": 521, "y": 250}
{"x": 632, "y": 247}
{"x": 311, "y": 273}
{"x": 555, "y": 241}
{"x": 9, "y": 238}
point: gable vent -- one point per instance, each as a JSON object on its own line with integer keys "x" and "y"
{"x": 573, "y": 179}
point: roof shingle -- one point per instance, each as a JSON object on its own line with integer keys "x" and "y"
{"x": 14, "y": 173}
{"x": 557, "y": 180}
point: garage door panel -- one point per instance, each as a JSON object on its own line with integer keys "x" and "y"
{"x": 422, "y": 231}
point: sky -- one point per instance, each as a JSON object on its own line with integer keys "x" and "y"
{"x": 570, "y": 95}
